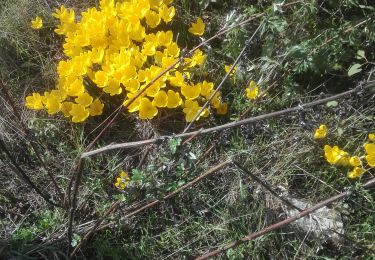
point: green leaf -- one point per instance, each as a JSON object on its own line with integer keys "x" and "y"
{"x": 76, "y": 238}
{"x": 333, "y": 103}
{"x": 173, "y": 144}
{"x": 361, "y": 55}
{"x": 354, "y": 69}
{"x": 137, "y": 175}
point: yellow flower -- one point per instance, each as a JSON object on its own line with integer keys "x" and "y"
{"x": 64, "y": 68}
{"x": 146, "y": 109}
{"x": 52, "y": 103}
{"x": 34, "y": 102}
{"x": 96, "y": 108}
{"x": 174, "y": 99}
{"x": 173, "y": 50}
{"x": 197, "y": 59}
{"x": 160, "y": 99}
{"x": 371, "y": 137}
{"x": 356, "y": 173}
{"x": 166, "y": 13}
{"x": 321, "y": 132}
{"x": 223, "y": 109}
{"x": 335, "y": 155}
{"x": 76, "y": 88}
{"x": 123, "y": 180}
{"x": 191, "y": 110}
{"x": 370, "y": 151}
{"x": 198, "y": 27}
{"x": 66, "y": 107}
{"x": 79, "y": 113}
{"x": 101, "y": 79}
{"x": 206, "y": 88}
{"x": 178, "y": 79}
{"x": 132, "y": 85}
{"x": 152, "y": 19}
{"x": 355, "y": 161}
{"x": 252, "y": 90}
{"x": 113, "y": 87}
{"x": 37, "y": 23}
{"x": 216, "y": 100}
{"x": 167, "y": 2}
{"x": 165, "y": 38}
{"x": 191, "y": 92}
{"x": 84, "y": 99}
{"x": 233, "y": 72}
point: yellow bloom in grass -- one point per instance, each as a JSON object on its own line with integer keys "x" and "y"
{"x": 223, "y": 109}
{"x": 113, "y": 87}
{"x": 356, "y": 173}
{"x": 165, "y": 38}
{"x": 371, "y": 137}
{"x": 216, "y": 100}
{"x": 96, "y": 108}
{"x": 34, "y": 102}
{"x": 191, "y": 92}
{"x": 177, "y": 80}
{"x": 122, "y": 181}
{"x": 66, "y": 107}
{"x": 160, "y": 99}
{"x": 76, "y": 87}
{"x": 252, "y": 90}
{"x": 173, "y": 50}
{"x": 174, "y": 99}
{"x": 64, "y": 68}
{"x": 101, "y": 78}
{"x": 355, "y": 161}
{"x": 321, "y": 132}
{"x": 79, "y": 113}
{"x": 197, "y": 59}
{"x": 166, "y": 13}
{"x": 146, "y": 109}
{"x": 334, "y": 155}
{"x": 84, "y": 99}
{"x": 51, "y": 103}
{"x": 152, "y": 19}
{"x": 198, "y": 27}
{"x": 206, "y": 88}
{"x": 191, "y": 110}
{"x": 370, "y": 151}
{"x": 37, "y": 23}
{"x": 233, "y": 72}
{"x": 132, "y": 85}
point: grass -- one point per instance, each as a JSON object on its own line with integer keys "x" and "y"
{"x": 290, "y": 50}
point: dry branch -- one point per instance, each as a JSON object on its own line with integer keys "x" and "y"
{"x": 283, "y": 223}
{"x": 228, "y": 125}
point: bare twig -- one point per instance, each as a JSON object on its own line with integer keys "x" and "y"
{"x": 228, "y": 125}
{"x": 283, "y": 223}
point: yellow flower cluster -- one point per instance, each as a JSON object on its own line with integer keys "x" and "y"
{"x": 118, "y": 48}
{"x": 122, "y": 180}
{"x": 336, "y": 156}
